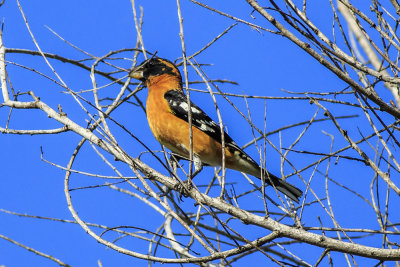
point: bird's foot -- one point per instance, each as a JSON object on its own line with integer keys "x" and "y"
{"x": 184, "y": 188}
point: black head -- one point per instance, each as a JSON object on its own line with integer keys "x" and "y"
{"x": 154, "y": 66}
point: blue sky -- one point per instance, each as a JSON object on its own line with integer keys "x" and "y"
{"x": 261, "y": 63}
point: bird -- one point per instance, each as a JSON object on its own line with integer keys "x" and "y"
{"x": 167, "y": 112}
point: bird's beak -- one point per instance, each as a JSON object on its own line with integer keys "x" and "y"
{"x": 137, "y": 73}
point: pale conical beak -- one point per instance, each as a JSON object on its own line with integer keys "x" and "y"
{"x": 137, "y": 73}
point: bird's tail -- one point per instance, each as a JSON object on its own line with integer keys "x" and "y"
{"x": 249, "y": 166}
{"x": 284, "y": 187}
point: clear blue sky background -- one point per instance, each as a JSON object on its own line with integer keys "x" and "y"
{"x": 261, "y": 63}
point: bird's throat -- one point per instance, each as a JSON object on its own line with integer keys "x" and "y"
{"x": 163, "y": 81}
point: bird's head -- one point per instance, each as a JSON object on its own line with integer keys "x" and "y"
{"x": 155, "y": 68}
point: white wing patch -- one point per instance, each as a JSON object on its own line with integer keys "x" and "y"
{"x": 195, "y": 110}
{"x": 205, "y": 128}
{"x": 185, "y": 107}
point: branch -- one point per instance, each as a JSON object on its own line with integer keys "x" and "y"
{"x": 368, "y": 92}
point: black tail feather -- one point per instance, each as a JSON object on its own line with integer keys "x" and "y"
{"x": 289, "y": 190}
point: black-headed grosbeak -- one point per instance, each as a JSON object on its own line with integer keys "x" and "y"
{"x": 167, "y": 114}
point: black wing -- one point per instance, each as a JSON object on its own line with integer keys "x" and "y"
{"x": 178, "y": 103}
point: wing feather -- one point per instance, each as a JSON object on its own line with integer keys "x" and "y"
{"x": 178, "y": 104}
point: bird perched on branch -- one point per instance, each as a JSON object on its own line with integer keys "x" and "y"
{"x": 167, "y": 113}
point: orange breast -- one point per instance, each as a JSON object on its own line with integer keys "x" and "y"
{"x": 173, "y": 132}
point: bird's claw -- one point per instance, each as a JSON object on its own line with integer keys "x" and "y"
{"x": 184, "y": 188}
